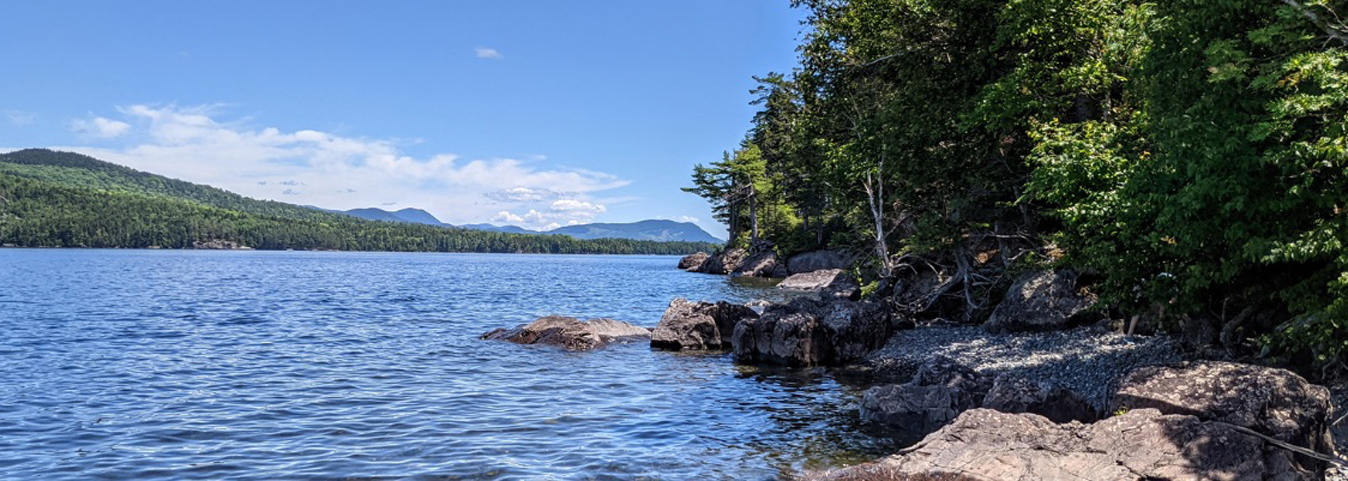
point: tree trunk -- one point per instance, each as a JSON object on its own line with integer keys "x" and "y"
{"x": 753, "y": 216}
{"x": 875, "y": 196}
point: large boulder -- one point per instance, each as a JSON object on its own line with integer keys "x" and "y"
{"x": 834, "y": 282}
{"x": 1273, "y": 402}
{"x": 1013, "y": 394}
{"x": 698, "y": 325}
{"x": 811, "y": 331}
{"x": 941, "y": 390}
{"x": 988, "y": 445}
{"x": 816, "y": 261}
{"x": 1042, "y": 301}
{"x": 761, "y": 264}
{"x": 724, "y": 262}
{"x": 693, "y": 262}
{"x": 569, "y": 332}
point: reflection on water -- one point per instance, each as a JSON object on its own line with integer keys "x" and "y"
{"x": 259, "y": 365}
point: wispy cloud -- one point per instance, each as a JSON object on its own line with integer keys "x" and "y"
{"x": 488, "y": 53}
{"x": 20, "y": 118}
{"x": 99, "y": 127}
{"x": 199, "y": 144}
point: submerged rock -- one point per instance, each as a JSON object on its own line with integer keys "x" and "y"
{"x": 811, "y": 331}
{"x": 835, "y": 282}
{"x": 698, "y": 325}
{"x": 817, "y": 261}
{"x": 693, "y": 262}
{"x": 984, "y": 444}
{"x": 569, "y": 332}
{"x": 1042, "y": 301}
{"x": 1274, "y": 402}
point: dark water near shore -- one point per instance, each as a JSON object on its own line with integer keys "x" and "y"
{"x": 296, "y": 365}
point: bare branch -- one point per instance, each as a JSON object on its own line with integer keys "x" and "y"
{"x": 1334, "y": 32}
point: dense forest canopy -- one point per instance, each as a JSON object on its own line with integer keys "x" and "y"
{"x": 1189, "y": 154}
{"x": 61, "y": 199}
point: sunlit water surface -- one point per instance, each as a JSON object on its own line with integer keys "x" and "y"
{"x": 297, "y": 365}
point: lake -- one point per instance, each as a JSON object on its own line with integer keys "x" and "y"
{"x": 126, "y": 364}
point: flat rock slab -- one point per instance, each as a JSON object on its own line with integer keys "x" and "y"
{"x": 830, "y": 281}
{"x": 570, "y": 333}
{"x": 987, "y": 445}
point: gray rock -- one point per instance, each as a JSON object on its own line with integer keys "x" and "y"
{"x": 569, "y": 332}
{"x": 724, "y": 262}
{"x": 758, "y": 265}
{"x": 1042, "y": 301}
{"x": 1013, "y": 394}
{"x": 987, "y": 445}
{"x": 811, "y": 331}
{"x": 1274, "y": 402}
{"x": 693, "y": 262}
{"x": 835, "y": 282}
{"x": 698, "y": 325}
{"x": 941, "y": 390}
{"x": 817, "y": 260}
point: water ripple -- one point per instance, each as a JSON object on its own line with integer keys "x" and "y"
{"x": 267, "y": 365}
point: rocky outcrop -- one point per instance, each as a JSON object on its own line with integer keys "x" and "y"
{"x": 939, "y": 392}
{"x": 835, "y": 282}
{"x": 817, "y": 261}
{"x": 761, "y": 264}
{"x": 943, "y": 388}
{"x": 569, "y": 332}
{"x": 724, "y": 262}
{"x": 1273, "y": 402}
{"x": 698, "y": 325}
{"x": 811, "y": 331}
{"x": 1014, "y": 394}
{"x": 987, "y": 445}
{"x": 1042, "y": 301}
{"x": 693, "y": 262}
{"x": 217, "y": 244}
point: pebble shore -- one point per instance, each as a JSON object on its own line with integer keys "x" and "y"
{"x": 1087, "y": 360}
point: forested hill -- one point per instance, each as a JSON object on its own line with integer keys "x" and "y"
{"x": 62, "y": 199}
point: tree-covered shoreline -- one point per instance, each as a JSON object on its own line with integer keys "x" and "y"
{"x": 57, "y": 199}
{"x": 1190, "y": 157}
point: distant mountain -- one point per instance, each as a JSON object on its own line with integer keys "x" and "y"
{"x": 504, "y": 228}
{"x": 415, "y": 216}
{"x": 656, "y": 230}
{"x": 652, "y": 230}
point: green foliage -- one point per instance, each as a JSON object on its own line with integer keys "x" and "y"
{"x": 50, "y": 199}
{"x": 1193, "y": 153}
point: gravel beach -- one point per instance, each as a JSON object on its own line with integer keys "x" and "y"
{"x": 1086, "y": 360}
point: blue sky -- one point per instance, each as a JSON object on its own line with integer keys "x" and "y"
{"x": 532, "y": 113}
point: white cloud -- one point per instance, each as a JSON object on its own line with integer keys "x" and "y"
{"x": 20, "y": 118}
{"x": 100, "y": 127}
{"x": 488, "y": 53}
{"x": 685, "y": 218}
{"x": 577, "y": 207}
{"x": 338, "y": 172}
{"x": 506, "y": 216}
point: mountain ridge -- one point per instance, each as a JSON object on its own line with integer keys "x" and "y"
{"x": 660, "y": 230}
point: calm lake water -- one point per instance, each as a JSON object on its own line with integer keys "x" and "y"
{"x": 319, "y": 365}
